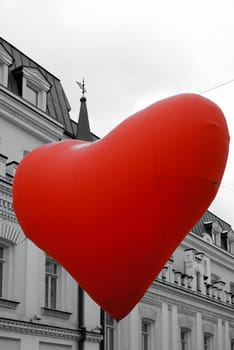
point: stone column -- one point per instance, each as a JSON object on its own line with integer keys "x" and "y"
{"x": 165, "y": 335}
{"x": 226, "y": 336}
{"x": 199, "y": 334}
{"x": 220, "y": 335}
{"x": 174, "y": 335}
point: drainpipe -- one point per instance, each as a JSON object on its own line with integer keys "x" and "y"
{"x": 81, "y": 318}
{"x": 102, "y": 322}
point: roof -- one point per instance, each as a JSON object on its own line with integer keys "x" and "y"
{"x": 206, "y": 221}
{"x": 58, "y": 106}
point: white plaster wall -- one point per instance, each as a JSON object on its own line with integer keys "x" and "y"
{"x": 14, "y": 140}
{"x": 91, "y": 313}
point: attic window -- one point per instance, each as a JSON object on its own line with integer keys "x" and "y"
{"x": 5, "y": 61}
{"x": 32, "y": 94}
{"x": 33, "y": 86}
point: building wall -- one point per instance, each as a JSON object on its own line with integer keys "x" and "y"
{"x": 26, "y": 322}
{"x": 190, "y": 302}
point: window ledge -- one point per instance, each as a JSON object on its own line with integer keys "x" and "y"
{"x": 55, "y": 313}
{"x": 8, "y": 304}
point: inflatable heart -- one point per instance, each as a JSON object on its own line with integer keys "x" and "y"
{"x": 112, "y": 212}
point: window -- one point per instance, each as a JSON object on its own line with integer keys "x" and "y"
{"x": 184, "y": 340}
{"x": 32, "y": 95}
{"x": 2, "y": 262}
{"x": 198, "y": 281}
{"x": 110, "y": 332}
{"x": 51, "y": 280}
{"x": 145, "y": 335}
{"x": 207, "y": 338}
{"x": 5, "y": 61}
{"x": 34, "y": 85}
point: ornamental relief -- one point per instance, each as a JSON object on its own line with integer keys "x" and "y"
{"x": 11, "y": 232}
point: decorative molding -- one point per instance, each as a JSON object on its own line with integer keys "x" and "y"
{"x": 6, "y": 204}
{"x": 6, "y": 190}
{"x": 48, "y": 128}
{"x": 185, "y": 322}
{"x": 38, "y": 329}
{"x": 208, "y": 328}
{"x": 187, "y": 300}
{"x": 11, "y": 232}
{"x": 6, "y": 216}
{"x": 93, "y": 337}
{"x": 44, "y": 330}
{"x": 209, "y": 319}
{"x": 33, "y": 75}
{"x": 186, "y": 311}
{"x": 55, "y": 313}
{"x": 8, "y": 304}
{"x": 147, "y": 313}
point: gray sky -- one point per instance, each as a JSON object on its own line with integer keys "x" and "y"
{"x": 131, "y": 54}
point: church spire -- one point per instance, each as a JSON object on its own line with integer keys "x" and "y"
{"x": 83, "y": 128}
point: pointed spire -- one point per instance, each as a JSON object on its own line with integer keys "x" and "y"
{"x": 83, "y": 128}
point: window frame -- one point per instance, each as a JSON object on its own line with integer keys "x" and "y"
{"x": 207, "y": 341}
{"x": 110, "y": 333}
{"x": 2, "y": 270}
{"x": 51, "y": 277}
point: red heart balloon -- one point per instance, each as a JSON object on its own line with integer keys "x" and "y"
{"x": 112, "y": 212}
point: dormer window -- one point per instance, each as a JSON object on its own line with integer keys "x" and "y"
{"x": 33, "y": 86}
{"x": 32, "y": 94}
{"x": 5, "y": 61}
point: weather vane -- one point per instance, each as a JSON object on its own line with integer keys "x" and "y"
{"x": 82, "y": 86}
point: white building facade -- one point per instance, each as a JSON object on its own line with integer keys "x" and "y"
{"x": 189, "y": 306}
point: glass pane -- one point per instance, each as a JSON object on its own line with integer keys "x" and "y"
{"x": 1, "y": 279}
{"x": 145, "y": 342}
{"x": 31, "y": 95}
{"x": 51, "y": 267}
{"x": 1, "y": 252}
{"x": 109, "y": 320}
{"x": 53, "y": 282}
{"x": 109, "y": 338}
{"x": 145, "y": 327}
{"x": 47, "y": 291}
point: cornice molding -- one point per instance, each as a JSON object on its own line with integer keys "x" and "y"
{"x": 192, "y": 302}
{"x": 7, "y": 216}
{"x": 35, "y": 121}
{"x": 93, "y": 337}
{"x": 8, "y": 304}
{"x": 15, "y": 115}
{"x": 15, "y": 326}
{"x": 44, "y": 330}
{"x": 55, "y": 313}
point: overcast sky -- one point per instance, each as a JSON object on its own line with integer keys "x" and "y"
{"x": 131, "y": 54}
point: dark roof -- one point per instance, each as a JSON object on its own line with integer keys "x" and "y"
{"x": 58, "y": 106}
{"x": 83, "y": 128}
{"x": 205, "y": 223}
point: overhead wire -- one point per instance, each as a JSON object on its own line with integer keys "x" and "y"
{"x": 193, "y": 62}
